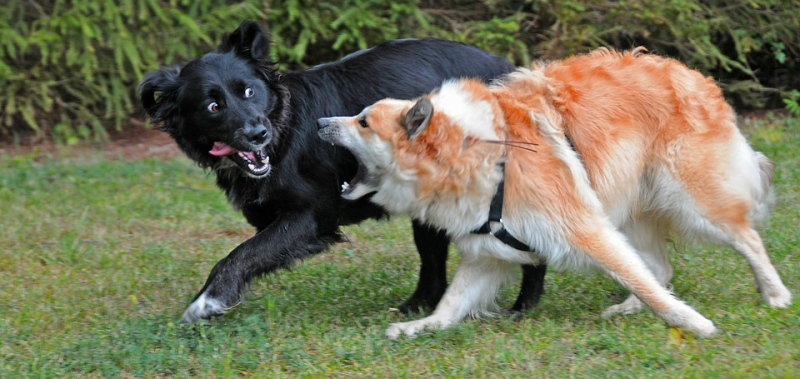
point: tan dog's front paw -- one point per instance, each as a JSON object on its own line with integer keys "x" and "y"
{"x": 412, "y": 328}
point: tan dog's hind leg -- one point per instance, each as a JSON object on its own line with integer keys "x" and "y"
{"x": 748, "y": 243}
{"x": 733, "y": 193}
{"x": 608, "y": 248}
{"x": 473, "y": 290}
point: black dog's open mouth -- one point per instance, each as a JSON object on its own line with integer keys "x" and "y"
{"x": 255, "y": 163}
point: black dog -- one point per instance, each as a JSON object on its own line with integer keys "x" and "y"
{"x": 233, "y": 112}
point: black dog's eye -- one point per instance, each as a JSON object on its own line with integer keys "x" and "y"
{"x": 248, "y": 92}
{"x": 363, "y": 122}
{"x": 213, "y": 107}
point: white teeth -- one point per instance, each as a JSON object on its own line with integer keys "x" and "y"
{"x": 256, "y": 167}
{"x": 345, "y": 186}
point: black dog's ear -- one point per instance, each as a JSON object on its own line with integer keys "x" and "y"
{"x": 249, "y": 41}
{"x": 418, "y": 117}
{"x": 158, "y": 93}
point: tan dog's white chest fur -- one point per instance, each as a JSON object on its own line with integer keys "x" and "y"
{"x": 653, "y": 151}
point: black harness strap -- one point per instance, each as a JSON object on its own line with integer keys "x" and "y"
{"x": 496, "y": 214}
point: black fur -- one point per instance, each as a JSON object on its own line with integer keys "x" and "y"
{"x": 297, "y": 208}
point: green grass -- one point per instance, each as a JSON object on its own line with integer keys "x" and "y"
{"x": 99, "y": 258}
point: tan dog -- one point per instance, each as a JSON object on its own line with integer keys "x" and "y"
{"x": 606, "y": 154}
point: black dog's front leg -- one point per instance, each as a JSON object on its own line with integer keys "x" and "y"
{"x": 289, "y": 238}
{"x": 432, "y": 247}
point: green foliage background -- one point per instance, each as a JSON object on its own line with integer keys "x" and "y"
{"x": 69, "y": 69}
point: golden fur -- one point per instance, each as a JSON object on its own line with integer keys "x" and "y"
{"x": 656, "y": 152}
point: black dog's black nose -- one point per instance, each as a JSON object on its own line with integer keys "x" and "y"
{"x": 256, "y": 134}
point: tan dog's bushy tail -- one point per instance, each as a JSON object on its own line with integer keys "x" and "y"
{"x": 765, "y": 197}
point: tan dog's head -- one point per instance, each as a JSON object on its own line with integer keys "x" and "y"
{"x": 412, "y": 151}
{"x": 374, "y": 136}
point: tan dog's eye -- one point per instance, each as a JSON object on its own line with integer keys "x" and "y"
{"x": 363, "y": 122}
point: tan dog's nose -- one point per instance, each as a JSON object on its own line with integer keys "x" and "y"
{"x": 324, "y": 122}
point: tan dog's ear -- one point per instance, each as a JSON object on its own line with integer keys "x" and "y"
{"x": 418, "y": 117}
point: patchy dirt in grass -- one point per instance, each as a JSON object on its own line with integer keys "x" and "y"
{"x": 134, "y": 142}
{"x": 138, "y": 142}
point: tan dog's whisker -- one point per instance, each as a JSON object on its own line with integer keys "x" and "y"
{"x": 514, "y": 144}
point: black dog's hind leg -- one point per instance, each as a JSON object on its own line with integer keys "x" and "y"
{"x": 432, "y": 247}
{"x": 532, "y": 287}
{"x": 289, "y": 238}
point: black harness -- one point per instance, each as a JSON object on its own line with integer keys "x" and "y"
{"x": 496, "y": 214}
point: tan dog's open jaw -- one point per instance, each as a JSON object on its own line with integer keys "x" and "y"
{"x": 630, "y": 148}
{"x": 370, "y": 147}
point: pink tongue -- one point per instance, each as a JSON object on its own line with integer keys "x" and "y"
{"x": 220, "y": 149}
{"x": 250, "y": 155}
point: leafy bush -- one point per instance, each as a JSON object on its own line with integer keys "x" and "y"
{"x": 68, "y": 69}
{"x": 306, "y": 32}
{"x": 752, "y": 46}
{"x": 792, "y": 103}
